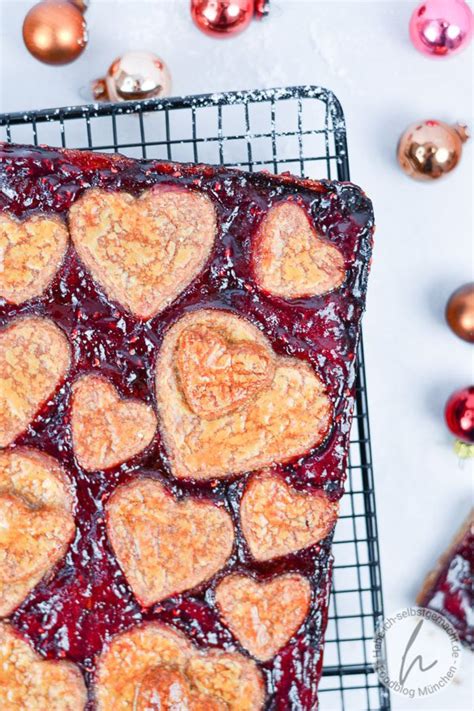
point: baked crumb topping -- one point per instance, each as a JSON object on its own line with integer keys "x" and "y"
{"x": 143, "y": 251}
{"x": 217, "y": 375}
{"x": 290, "y": 259}
{"x": 30, "y": 683}
{"x": 34, "y": 358}
{"x": 36, "y": 521}
{"x": 150, "y": 658}
{"x": 277, "y": 519}
{"x": 165, "y": 546}
{"x": 107, "y": 429}
{"x": 31, "y": 253}
{"x": 283, "y": 420}
{"x": 166, "y": 688}
{"x": 264, "y": 615}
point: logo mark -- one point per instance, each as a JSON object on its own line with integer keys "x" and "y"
{"x": 416, "y": 652}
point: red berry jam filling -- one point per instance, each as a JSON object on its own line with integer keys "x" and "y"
{"x": 87, "y": 600}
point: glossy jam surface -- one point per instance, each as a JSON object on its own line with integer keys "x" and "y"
{"x": 451, "y": 592}
{"x": 88, "y": 599}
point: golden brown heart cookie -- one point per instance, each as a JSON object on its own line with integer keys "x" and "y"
{"x": 150, "y": 655}
{"x": 290, "y": 259}
{"x": 281, "y": 421}
{"x": 277, "y": 519}
{"x": 34, "y": 358}
{"x": 143, "y": 251}
{"x": 31, "y": 253}
{"x": 166, "y": 546}
{"x": 264, "y": 615}
{"x": 29, "y": 682}
{"x": 37, "y": 521}
{"x": 217, "y": 375}
{"x": 166, "y": 688}
{"x": 106, "y": 429}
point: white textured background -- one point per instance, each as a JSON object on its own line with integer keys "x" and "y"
{"x": 361, "y": 51}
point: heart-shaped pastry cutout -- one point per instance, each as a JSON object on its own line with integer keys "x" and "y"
{"x": 167, "y": 688}
{"x": 143, "y": 662}
{"x": 264, "y": 615}
{"x": 143, "y": 251}
{"x": 106, "y": 429}
{"x": 27, "y": 681}
{"x": 31, "y": 253}
{"x": 165, "y": 546}
{"x": 217, "y": 375}
{"x": 282, "y": 420}
{"x": 290, "y": 259}
{"x": 34, "y": 358}
{"x": 37, "y": 521}
{"x": 277, "y": 519}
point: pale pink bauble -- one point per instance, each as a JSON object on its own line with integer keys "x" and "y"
{"x": 439, "y": 28}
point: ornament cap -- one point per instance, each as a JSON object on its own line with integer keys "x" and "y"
{"x": 99, "y": 90}
{"x": 464, "y": 450}
{"x": 462, "y": 129}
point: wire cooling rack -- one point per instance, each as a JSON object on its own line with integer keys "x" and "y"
{"x": 301, "y": 130}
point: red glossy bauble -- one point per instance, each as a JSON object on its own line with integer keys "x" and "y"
{"x": 222, "y": 18}
{"x": 459, "y": 413}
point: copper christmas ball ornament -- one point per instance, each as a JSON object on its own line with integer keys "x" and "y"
{"x": 460, "y": 312}
{"x": 55, "y": 32}
{"x": 134, "y": 76}
{"x": 222, "y": 18}
{"x": 430, "y": 149}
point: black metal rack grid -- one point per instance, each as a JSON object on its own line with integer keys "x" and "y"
{"x": 300, "y": 130}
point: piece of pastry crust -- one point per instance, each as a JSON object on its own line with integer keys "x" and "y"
{"x": 36, "y": 510}
{"x": 34, "y": 358}
{"x": 31, "y": 253}
{"x": 165, "y": 546}
{"x": 277, "y": 519}
{"x": 107, "y": 429}
{"x": 290, "y": 414}
{"x": 143, "y": 251}
{"x": 128, "y": 660}
{"x": 290, "y": 259}
{"x": 263, "y": 616}
{"x": 30, "y": 683}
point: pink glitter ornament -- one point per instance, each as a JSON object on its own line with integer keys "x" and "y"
{"x": 439, "y": 28}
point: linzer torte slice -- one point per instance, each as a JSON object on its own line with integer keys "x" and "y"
{"x": 177, "y": 365}
{"x": 449, "y": 587}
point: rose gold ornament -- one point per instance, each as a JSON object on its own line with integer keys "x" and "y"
{"x": 222, "y": 18}
{"x": 55, "y": 32}
{"x": 134, "y": 76}
{"x": 460, "y": 312}
{"x": 430, "y": 149}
